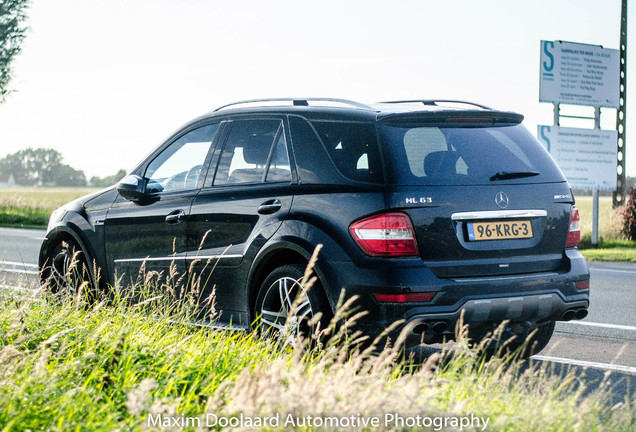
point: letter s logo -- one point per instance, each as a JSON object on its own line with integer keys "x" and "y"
{"x": 549, "y": 67}
{"x": 544, "y": 137}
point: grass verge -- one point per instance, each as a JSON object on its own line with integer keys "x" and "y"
{"x": 618, "y": 250}
{"x": 610, "y": 247}
{"x": 115, "y": 366}
{"x": 24, "y": 217}
{"x": 613, "y": 255}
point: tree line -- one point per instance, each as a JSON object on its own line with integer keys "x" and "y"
{"x": 12, "y": 33}
{"x": 45, "y": 167}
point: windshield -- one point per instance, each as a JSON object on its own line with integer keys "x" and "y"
{"x": 430, "y": 155}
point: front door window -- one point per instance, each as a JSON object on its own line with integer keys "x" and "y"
{"x": 179, "y": 166}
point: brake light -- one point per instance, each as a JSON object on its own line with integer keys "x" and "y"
{"x": 389, "y": 234}
{"x": 468, "y": 120}
{"x": 574, "y": 233}
{"x": 404, "y": 298}
{"x": 584, "y": 284}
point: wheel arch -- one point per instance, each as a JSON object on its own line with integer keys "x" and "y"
{"x": 62, "y": 233}
{"x": 269, "y": 258}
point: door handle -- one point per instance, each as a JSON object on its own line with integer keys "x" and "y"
{"x": 270, "y": 206}
{"x": 175, "y": 217}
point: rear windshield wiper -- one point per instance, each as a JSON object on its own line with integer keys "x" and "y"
{"x": 505, "y": 175}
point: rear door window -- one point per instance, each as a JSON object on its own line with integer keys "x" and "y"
{"x": 423, "y": 154}
{"x": 254, "y": 152}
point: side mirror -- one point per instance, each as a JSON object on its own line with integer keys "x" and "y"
{"x": 132, "y": 187}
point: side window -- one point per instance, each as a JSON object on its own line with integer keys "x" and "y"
{"x": 353, "y": 147}
{"x": 179, "y": 166}
{"x": 247, "y": 152}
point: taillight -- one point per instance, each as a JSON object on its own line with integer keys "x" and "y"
{"x": 574, "y": 233}
{"x": 389, "y": 234}
{"x": 584, "y": 284}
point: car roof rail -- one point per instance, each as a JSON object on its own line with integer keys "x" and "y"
{"x": 301, "y": 102}
{"x": 436, "y": 102}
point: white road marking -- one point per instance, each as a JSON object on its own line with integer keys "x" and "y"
{"x": 28, "y": 272}
{"x": 19, "y": 289}
{"x": 594, "y": 324}
{"x": 612, "y": 270}
{"x": 583, "y": 363}
{"x": 18, "y": 264}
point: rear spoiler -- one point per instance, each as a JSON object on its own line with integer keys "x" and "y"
{"x": 452, "y": 117}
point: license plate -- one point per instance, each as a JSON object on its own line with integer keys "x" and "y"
{"x": 499, "y": 230}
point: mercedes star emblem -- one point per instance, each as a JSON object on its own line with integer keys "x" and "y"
{"x": 501, "y": 199}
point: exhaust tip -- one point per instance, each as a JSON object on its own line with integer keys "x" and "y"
{"x": 440, "y": 327}
{"x": 581, "y": 313}
{"x": 420, "y": 328}
{"x": 569, "y": 315}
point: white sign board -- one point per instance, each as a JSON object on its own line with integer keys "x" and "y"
{"x": 587, "y": 157}
{"x": 579, "y": 74}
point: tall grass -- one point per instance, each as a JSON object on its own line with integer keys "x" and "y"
{"x": 116, "y": 365}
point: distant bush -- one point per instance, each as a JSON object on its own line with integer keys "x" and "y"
{"x": 41, "y": 167}
{"x": 627, "y": 216}
{"x": 107, "y": 181}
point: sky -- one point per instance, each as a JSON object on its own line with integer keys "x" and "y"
{"x": 106, "y": 81}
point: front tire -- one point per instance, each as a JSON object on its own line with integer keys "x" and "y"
{"x": 285, "y": 309}
{"x": 66, "y": 272}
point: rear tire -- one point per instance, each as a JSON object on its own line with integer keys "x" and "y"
{"x": 540, "y": 339}
{"x": 281, "y": 314}
{"x": 66, "y": 271}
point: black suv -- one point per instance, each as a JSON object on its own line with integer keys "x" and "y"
{"x": 426, "y": 210}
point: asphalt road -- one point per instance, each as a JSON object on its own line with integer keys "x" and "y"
{"x": 603, "y": 345}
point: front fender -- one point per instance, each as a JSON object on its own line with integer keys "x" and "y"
{"x": 73, "y": 226}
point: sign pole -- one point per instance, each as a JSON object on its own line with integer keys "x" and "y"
{"x": 621, "y": 113}
{"x": 597, "y": 125}
{"x": 595, "y": 218}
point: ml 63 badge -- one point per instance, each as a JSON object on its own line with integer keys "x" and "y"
{"x": 421, "y": 200}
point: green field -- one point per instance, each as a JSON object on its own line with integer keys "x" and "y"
{"x": 607, "y": 218}
{"x": 31, "y": 207}
{"x": 70, "y": 367}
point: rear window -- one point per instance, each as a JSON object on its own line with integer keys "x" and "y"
{"x": 353, "y": 147}
{"x": 429, "y": 155}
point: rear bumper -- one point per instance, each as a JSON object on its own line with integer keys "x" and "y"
{"x": 532, "y": 310}
{"x": 531, "y": 299}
